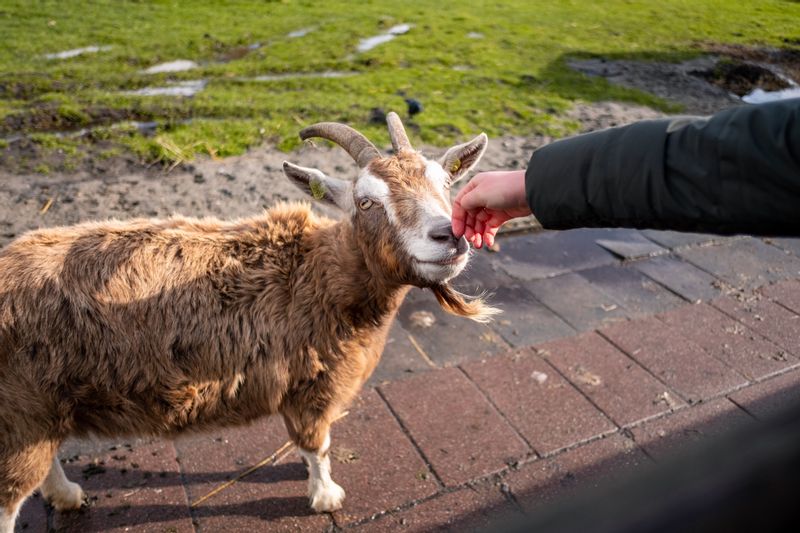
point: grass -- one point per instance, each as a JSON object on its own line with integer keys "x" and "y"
{"x": 511, "y": 80}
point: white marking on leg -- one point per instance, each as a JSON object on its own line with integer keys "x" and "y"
{"x": 8, "y": 518}
{"x": 62, "y": 493}
{"x": 323, "y": 493}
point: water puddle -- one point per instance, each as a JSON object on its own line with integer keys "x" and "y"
{"x": 760, "y": 96}
{"x": 181, "y": 88}
{"x": 371, "y": 42}
{"x": 294, "y": 75}
{"x": 302, "y": 32}
{"x": 178, "y": 65}
{"x": 145, "y": 128}
{"x": 66, "y": 54}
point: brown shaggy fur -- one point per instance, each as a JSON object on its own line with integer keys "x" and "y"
{"x": 150, "y": 327}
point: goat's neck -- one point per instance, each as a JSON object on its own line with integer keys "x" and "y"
{"x": 355, "y": 292}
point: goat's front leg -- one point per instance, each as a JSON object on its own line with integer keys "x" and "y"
{"x": 62, "y": 493}
{"x": 323, "y": 493}
{"x": 313, "y": 442}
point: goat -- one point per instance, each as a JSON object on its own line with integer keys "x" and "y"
{"x": 160, "y": 326}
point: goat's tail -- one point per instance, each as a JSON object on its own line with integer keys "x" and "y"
{"x": 474, "y": 308}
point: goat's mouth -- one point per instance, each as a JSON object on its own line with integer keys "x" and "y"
{"x": 445, "y": 261}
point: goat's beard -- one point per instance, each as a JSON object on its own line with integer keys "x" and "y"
{"x": 472, "y": 307}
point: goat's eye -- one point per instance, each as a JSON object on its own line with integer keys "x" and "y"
{"x": 365, "y": 203}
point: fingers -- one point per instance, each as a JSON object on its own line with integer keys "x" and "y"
{"x": 488, "y": 223}
{"x": 490, "y": 235}
{"x": 479, "y": 222}
{"x": 470, "y": 224}
{"x": 459, "y": 220}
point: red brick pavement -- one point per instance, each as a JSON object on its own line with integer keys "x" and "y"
{"x": 498, "y": 434}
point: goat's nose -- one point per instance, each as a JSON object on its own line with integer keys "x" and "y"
{"x": 443, "y": 232}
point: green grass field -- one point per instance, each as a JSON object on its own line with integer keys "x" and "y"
{"x": 509, "y": 79}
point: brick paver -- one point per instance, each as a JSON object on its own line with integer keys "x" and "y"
{"x": 765, "y": 317}
{"x": 467, "y": 509}
{"x": 576, "y": 301}
{"x": 525, "y": 320}
{"x": 790, "y": 244}
{"x": 33, "y": 515}
{"x": 542, "y": 482}
{"x": 375, "y": 462}
{"x": 615, "y": 383}
{"x": 484, "y": 271}
{"x": 680, "y": 277}
{"x": 676, "y": 360}
{"x": 666, "y": 436}
{"x": 729, "y": 341}
{"x": 129, "y": 486}
{"x": 638, "y": 294}
{"x": 744, "y": 263}
{"x": 400, "y": 357}
{"x": 273, "y": 498}
{"x": 770, "y": 397}
{"x": 786, "y": 293}
{"x": 677, "y": 239}
{"x": 457, "y": 429}
{"x": 546, "y": 409}
{"x": 446, "y": 339}
{"x": 547, "y": 254}
{"x": 629, "y": 244}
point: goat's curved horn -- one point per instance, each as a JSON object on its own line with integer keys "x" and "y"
{"x": 352, "y": 141}
{"x": 397, "y": 132}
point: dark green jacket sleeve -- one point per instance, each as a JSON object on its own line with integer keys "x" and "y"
{"x": 735, "y": 172}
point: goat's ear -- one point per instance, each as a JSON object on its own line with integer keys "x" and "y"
{"x": 462, "y": 158}
{"x": 319, "y": 186}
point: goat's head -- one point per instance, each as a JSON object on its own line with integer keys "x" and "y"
{"x": 400, "y": 208}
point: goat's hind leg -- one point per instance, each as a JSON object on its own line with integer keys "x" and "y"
{"x": 22, "y": 468}
{"x": 313, "y": 442}
{"x": 60, "y": 492}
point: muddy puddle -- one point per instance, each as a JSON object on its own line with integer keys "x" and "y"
{"x": 704, "y": 85}
{"x": 759, "y": 96}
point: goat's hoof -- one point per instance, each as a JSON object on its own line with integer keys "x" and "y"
{"x": 69, "y": 497}
{"x": 327, "y": 498}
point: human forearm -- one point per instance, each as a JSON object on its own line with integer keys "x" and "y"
{"x": 738, "y": 171}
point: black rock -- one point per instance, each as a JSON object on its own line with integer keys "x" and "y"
{"x": 377, "y": 116}
{"x": 414, "y": 106}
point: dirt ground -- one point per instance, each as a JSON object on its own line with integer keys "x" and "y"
{"x": 234, "y": 187}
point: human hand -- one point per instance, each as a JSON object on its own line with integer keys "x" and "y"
{"x": 487, "y": 202}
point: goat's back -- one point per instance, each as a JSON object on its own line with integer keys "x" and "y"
{"x": 150, "y": 321}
